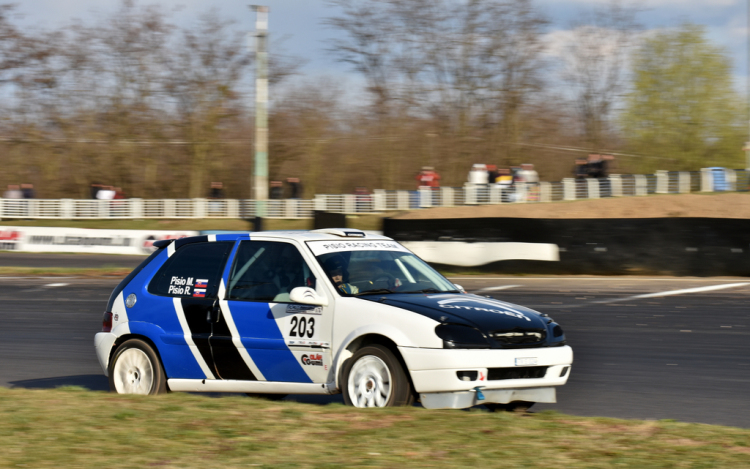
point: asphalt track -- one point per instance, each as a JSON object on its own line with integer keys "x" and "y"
{"x": 682, "y": 357}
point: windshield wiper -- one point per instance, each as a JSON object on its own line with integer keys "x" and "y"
{"x": 374, "y": 292}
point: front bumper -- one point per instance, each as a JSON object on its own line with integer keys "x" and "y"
{"x": 464, "y": 399}
{"x": 103, "y": 342}
{"x": 436, "y": 370}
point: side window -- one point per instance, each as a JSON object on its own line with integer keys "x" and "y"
{"x": 267, "y": 271}
{"x": 194, "y": 270}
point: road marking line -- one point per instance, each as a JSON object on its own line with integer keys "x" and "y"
{"x": 612, "y": 279}
{"x": 502, "y": 287}
{"x": 678, "y": 292}
{"x": 57, "y": 285}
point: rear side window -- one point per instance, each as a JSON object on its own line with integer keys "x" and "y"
{"x": 194, "y": 270}
{"x": 267, "y": 271}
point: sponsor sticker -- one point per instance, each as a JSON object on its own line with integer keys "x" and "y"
{"x": 480, "y": 305}
{"x": 324, "y": 247}
{"x": 304, "y": 309}
{"x": 314, "y": 359}
{"x": 181, "y": 286}
{"x": 308, "y": 343}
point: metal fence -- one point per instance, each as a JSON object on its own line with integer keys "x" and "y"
{"x": 663, "y": 182}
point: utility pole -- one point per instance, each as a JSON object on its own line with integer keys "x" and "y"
{"x": 261, "y": 112}
{"x": 747, "y": 99}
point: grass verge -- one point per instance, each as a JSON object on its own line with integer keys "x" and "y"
{"x": 70, "y": 427}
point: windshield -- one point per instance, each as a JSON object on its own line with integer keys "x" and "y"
{"x": 371, "y": 272}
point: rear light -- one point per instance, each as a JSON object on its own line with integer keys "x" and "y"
{"x": 107, "y": 322}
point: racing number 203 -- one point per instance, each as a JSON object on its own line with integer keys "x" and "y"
{"x": 302, "y": 327}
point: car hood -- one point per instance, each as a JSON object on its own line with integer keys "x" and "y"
{"x": 485, "y": 314}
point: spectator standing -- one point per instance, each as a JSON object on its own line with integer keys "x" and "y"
{"x": 530, "y": 177}
{"x": 95, "y": 188}
{"x": 594, "y": 165}
{"x": 492, "y": 173}
{"x": 13, "y": 192}
{"x": 428, "y": 177}
{"x": 277, "y": 190}
{"x": 105, "y": 193}
{"x": 295, "y": 188}
{"x": 505, "y": 181}
{"x": 581, "y": 169}
{"x": 217, "y": 191}
{"x": 479, "y": 174}
{"x": 28, "y": 191}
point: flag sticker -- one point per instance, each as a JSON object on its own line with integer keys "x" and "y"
{"x": 199, "y": 293}
{"x": 201, "y": 283}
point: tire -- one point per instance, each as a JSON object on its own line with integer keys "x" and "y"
{"x": 374, "y": 377}
{"x": 515, "y": 406}
{"x": 136, "y": 369}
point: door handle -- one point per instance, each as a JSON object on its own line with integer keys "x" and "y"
{"x": 214, "y": 313}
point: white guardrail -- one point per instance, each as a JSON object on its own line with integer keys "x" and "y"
{"x": 663, "y": 182}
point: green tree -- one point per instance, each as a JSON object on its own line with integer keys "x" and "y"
{"x": 682, "y": 104}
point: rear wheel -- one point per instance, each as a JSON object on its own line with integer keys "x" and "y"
{"x": 135, "y": 369}
{"x": 515, "y": 406}
{"x": 373, "y": 377}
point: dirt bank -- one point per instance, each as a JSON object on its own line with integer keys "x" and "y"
{"x": 734, "y": 205}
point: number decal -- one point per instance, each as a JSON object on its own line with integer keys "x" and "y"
{"x": 311, "y": 326}
{"x": 302, "y": 327}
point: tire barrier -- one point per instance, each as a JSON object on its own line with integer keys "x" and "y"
{"x": 638, "y": 246}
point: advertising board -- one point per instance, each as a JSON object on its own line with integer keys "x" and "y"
{"x": 44, "y": 239}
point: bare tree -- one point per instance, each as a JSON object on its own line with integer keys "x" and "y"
{"x": 204, "y": 74}
{"x": 595, "y": 66}
{"x": 468, "y": 66}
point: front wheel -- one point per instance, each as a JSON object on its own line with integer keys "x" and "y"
{"x": 135, "y": 369}
{"x": 373, "y": 377}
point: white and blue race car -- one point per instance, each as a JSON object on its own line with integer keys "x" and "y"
{"x": 322, "y": 312}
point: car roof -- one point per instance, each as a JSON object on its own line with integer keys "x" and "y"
{"x": 328, "y": 234}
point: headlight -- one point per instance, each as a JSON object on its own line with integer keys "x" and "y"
{"x": 557, "y": 336}
{"x": 458, "y": 336}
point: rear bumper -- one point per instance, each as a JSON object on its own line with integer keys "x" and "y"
{"x": 435, "y": 370}
{"x": 103, "y": 342}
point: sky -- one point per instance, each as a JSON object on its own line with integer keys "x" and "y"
{"x": 299, "y": 24}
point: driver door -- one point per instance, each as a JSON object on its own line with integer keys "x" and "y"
{"x": 279, "y": 340}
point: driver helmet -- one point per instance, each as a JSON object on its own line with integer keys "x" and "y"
{"x": 335, "y": 266}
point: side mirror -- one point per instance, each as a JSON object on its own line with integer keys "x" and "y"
{"x": 307, "y": 296}
{"x": 459, "y": 288}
